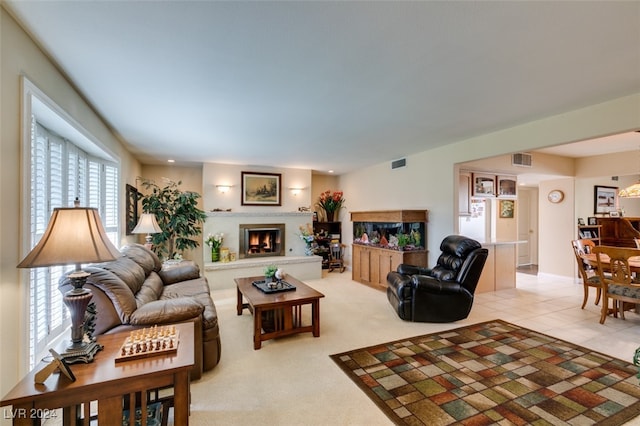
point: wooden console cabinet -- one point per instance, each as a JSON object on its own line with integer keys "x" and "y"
{"x": 371, "y": 262}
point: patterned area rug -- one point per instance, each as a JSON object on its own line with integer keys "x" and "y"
{"x": 494, "y": 373}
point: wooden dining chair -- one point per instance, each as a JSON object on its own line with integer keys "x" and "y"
{"x": 618, "y": 284}
{"x": 590, "y": 278}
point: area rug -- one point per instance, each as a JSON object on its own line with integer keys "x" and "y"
{"x": 494, "y": 373}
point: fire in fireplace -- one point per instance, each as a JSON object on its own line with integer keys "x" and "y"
{"x": 260, "y": 240}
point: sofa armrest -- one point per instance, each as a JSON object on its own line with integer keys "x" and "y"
{"x": 167, "y": 311}
{"x": 183, "y": 271}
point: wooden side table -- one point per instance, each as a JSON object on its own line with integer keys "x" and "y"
{"x": 106, "y": 382}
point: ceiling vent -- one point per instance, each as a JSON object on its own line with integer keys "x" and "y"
{"x": 399, "y": 163}
{"x": 521, "y": 159}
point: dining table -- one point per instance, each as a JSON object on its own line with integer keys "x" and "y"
{"x": 591, "y": 260}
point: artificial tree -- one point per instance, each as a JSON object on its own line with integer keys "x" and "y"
{"x": 177, "y": 214}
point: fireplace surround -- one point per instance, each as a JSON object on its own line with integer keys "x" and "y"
{"x": 261, "y": 240}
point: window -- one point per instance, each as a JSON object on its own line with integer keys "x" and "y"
{"x": 61, "y": 169}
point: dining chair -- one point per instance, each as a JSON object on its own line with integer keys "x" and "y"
{"x": 618, "y": 283}
{"x": 590, "y": 278}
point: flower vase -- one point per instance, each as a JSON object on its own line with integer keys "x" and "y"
{"x": 308, "y": 251}
{"x": 329, "y": 215}
{"x": 215, "y": 254}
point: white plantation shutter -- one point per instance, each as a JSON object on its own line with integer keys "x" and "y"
{"x": 60, "y": 172}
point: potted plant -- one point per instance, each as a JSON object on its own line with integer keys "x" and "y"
{"x": 269, "y": 273}
{"x": 177, "y": 214}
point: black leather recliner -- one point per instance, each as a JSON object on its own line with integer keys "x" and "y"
{"x": 443, "y": 293}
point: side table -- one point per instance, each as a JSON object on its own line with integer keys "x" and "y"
{"x": 106, "y": 382}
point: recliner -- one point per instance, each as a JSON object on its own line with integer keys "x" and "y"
{"x": 443, "y": 293}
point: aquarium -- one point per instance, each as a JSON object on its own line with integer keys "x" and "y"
{"x": 403, "y": 236}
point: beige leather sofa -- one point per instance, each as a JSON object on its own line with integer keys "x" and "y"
{"x": 136, "y": 291}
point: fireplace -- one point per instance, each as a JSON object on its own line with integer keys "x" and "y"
{"x": 261, "y": 240}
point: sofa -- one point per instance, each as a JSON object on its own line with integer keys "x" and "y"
{"x": 137, "y": 291}
{"x": 443, "y": 293}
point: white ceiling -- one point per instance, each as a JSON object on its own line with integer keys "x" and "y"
{"x": 332, "y": 85}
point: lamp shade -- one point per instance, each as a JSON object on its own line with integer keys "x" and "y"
{"x": 74, "y": 235}
{"x": 147, "y": 225}
{"x": 632, "y": 191}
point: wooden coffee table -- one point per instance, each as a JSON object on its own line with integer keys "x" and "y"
{"x": 282, "y": 311}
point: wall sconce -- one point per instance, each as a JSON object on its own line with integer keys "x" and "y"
{"x": 223, "y": 188}
{"x": 295, "y": 191}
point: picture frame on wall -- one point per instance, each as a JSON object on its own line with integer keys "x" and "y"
{"x": 507, "y": 186}
{"x": 507, "y": 209}
{"x": 261, "y": 189}
{"x": 605, "y": 199}
{"x": 131, "y": 206}
{"x": 484, "y": 185}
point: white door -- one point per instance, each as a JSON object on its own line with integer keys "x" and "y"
{"x": 527, "y": 226}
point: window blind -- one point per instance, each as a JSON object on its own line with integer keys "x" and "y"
{"x": 60, "y": 172}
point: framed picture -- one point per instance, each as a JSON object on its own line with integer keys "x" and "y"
{"x": 261, "y": 189}
{"x": 614, "y": 214}
{"x": 592, "y": 220}
{"x": 581, "y": 221}
{"x": 507, "y": 186}
{"x": 507, "y": 209}
{"x": 605, "y": 199}
{"x": 484, "y": 185}
{"x": 132, "y": 208}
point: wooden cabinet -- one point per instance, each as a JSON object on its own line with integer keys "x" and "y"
{"x": 372, "y": 264}
{"x": 371, "y": 261}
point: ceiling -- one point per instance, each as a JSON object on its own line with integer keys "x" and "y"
{"x": 334, "y": 85}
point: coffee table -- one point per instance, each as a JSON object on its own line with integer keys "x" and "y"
{"x": 282, "y": 311}
{"x": 106, "y": 382}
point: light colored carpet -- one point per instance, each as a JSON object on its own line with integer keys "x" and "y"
{"x": 293, "y": 381}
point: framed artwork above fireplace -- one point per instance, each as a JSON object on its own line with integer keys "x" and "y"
{"x": 261, "y": 189}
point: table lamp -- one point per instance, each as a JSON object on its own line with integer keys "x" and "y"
{"x": 147, "y": 225}
{"x": 74, "y": 235}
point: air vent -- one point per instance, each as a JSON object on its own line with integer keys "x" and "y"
{"x": 522, "y": 159}
{"x": 399, "y": 163}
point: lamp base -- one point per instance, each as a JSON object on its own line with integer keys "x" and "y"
{"x": 83, "y": 352}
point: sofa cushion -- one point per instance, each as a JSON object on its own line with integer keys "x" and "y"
{"x": 150, "y": 290}
{"x": 130, "y": 272}
{"x": 167, "y": 311}
{"x": 143, "y": 257}
{"x": 172, "y": 273}
{"x": 199, "y": 290}
{"x": 118, "y": 292}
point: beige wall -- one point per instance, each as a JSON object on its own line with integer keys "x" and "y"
{"x": 430, "y": 178}
{"x": 20, "y": 56}
{"x": 191, "y": 178}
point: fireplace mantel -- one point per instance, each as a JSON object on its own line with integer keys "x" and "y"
{"x": 229, "y": 222}
{"x": 258, "y": 214}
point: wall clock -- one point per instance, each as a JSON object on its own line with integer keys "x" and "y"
{"x": 556, "y": 196}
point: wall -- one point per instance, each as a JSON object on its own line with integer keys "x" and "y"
{"x": 430, "y": 178}
{"x": 321, "y": 183}
{"x": 191, "y": 178}
{"x": 20, "y": 56}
